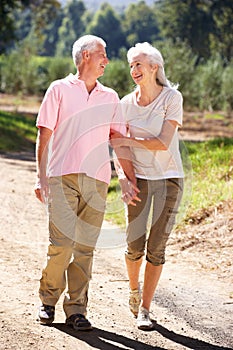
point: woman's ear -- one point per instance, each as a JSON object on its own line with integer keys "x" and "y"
{"x": 155, "y": 67}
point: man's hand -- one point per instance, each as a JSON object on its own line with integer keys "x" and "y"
{"x": 41, "y": 190}
{"x": 41, "y": 186}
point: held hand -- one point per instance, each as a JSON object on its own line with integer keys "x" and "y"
{"x": 129, "y": 192}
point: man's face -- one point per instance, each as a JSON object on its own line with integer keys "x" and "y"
{"x": 98, "y": 60}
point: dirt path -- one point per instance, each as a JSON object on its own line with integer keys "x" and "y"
{"x": 192, "y": 307}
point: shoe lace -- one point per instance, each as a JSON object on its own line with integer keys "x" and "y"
{"x": 49, "y": 309}
{"x": 145, "y": 315}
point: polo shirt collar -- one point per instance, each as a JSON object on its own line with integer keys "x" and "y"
{"x": 73, "y": 78}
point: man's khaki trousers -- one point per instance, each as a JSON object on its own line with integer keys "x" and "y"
{"x": 76, "y": 208}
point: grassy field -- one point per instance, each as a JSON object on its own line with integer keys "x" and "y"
{"x": 208, "y": 167}
{"x": 17, "y": 131}
{"x": 212, "y": 164}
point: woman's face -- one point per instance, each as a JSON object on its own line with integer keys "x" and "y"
{"x": 141, "y": 70}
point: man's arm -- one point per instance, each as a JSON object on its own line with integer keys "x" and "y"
{"x": 43, "y": 138}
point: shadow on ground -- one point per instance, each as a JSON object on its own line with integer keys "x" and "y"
{"x": 105, "y": 340}
{"x": 24, "y": 155}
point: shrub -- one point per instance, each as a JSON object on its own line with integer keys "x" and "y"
{"x": 227, "y": 84}
{"x": 210, "y": 79}
{"x": 117, "y": 77}
{"x": 30, "y": 74}
{"x": 180, "y": 68}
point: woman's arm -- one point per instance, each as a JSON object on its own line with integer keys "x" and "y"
{"x": 124, "y": 169}
{"x": 159, "y": 143}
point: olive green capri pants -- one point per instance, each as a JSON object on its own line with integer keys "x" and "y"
{"x": 161, "y": 198}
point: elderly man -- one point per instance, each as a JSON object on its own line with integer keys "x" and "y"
{"x": 76, "y": 118}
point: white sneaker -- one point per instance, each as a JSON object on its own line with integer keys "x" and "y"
{"x": 143, "y": 320}
{"x": 134, "y": 301}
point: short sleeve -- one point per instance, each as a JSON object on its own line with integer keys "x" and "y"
{"x": 48, "y": 112}
{"x": 174, "y": 108}
{"x": 118, "y": 124}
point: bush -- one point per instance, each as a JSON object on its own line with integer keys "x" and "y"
{"x": 210, "y": 83}
{"x": 59, "y": 67}
{"x": 117, "y": 77}
{"x": 180, "y": 68}
{"x": 22, "y": 72}
{"x": 227, "y": 84}
{"x": 204, "y": 86}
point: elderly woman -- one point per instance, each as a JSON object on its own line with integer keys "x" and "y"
{"x": 153, "y": 112}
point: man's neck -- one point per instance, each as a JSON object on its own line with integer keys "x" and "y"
{"x": 89, "y": 81}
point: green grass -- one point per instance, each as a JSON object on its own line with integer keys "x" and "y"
{"x": 215, "y": 116}
{"x": 212, "y": 179}
{"x": 209, "y": 179}
{"x": 17, "y": 131}
{"x": 115, "y": 207}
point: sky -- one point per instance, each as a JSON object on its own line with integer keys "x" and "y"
{"x": 95, "y": 4}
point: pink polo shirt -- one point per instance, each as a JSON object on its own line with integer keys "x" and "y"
{"x": 81, "y": 124}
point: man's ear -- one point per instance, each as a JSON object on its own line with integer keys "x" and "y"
{"x": 85, "y": 54}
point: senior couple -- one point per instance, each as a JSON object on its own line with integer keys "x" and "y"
{"x": 77, "y": 119}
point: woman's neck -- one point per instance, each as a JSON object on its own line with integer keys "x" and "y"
{"x": 147, "y": 94}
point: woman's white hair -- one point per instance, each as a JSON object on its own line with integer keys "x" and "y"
{"x": 154, "y": 57}
{"x": 86, "y": 42}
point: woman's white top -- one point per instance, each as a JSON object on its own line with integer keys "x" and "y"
{"x": 146, "y": 122}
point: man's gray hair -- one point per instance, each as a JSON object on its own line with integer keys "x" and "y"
{"x": 86, "y": 42}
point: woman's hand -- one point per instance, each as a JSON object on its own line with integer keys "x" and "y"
{"x": 118, "y": 140}
{"x": 129, "y": 192}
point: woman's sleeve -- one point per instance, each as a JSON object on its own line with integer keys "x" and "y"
{"x": 174, "y": 108}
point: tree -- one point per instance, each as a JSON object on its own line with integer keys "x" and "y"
{"x": 227, "y": 83}
{"x": 180, "y": 68}
{"x": 222, "y": 38}
{"x": 23, "y": 24}
{"x": 107, "y": 25}
{"x": 187, "y": 20}
{"x": 37, "y": 14}
{"x": 140, "y": 24}
{"x": 71, "y": 28}
{"x": 7, "y": 33}
{"x": 210, "y": 83}
{"x": 43, "y": 12}
{"x": 205, "y": 25}
{"x": 51, "y": 34}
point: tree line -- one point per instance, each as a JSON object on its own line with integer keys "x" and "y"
{"x": 194, "y": 36}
